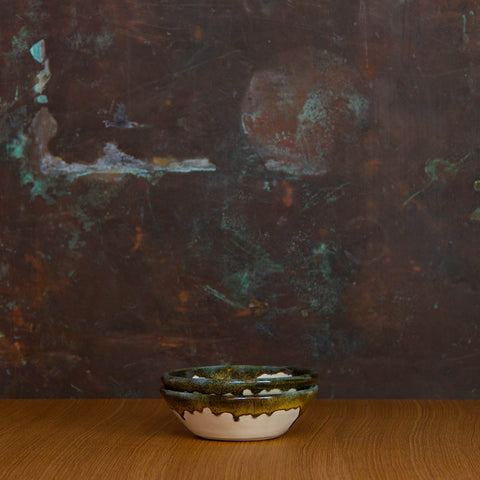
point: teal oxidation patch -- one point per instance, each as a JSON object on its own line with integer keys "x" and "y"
{"x": 99, "y": 44}
{"x": 103, "y": 41}
{"x": 439, "y": 167}
{"x": 38, "y": 51}
{"x": 475, "y": 216}
{"x": 20, "y": 42}
{"x": 16, "y": 148}
{"x": 42, "y": 99}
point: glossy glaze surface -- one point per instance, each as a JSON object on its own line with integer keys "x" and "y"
{"x": 241, "y": 418}
{"x": 235, "y": 379}
{"x": 257, "y": 405}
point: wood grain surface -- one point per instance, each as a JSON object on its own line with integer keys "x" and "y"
{"x": 334, "y": 439}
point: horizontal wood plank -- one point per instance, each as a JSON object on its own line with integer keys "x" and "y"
{"x": 334, "y": 439}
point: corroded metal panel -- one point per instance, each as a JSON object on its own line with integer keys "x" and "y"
{"x": 252, "y": 181}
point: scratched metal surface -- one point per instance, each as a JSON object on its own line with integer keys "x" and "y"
{"x": 276, "y": 182}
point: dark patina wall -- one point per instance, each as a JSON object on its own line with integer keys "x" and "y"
{"x": 251, "y": 181}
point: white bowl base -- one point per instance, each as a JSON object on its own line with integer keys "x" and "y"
{"x": 206, "y": 424}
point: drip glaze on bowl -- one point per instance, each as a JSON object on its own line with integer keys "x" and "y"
{"x": 239, "y": 418}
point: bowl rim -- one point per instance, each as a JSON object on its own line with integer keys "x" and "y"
{"x": 297, "y": 375}
{"x": 233, "y": 398}
{"x": 209, "y": 379}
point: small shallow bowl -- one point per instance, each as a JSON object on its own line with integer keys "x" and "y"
{"x": 239, "y": 418}
{"x": 238, "y": 379}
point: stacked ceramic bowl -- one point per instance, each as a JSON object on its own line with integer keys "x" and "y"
{"x": 239, "y": 402}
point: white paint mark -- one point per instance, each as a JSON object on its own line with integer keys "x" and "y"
{"x": 116, "y": 162}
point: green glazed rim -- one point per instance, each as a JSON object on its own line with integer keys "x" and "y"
{"x": 234, "y": 379}
{"x": 257, "y": 405}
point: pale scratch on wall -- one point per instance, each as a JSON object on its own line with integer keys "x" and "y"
{"x": 362, "y": 18}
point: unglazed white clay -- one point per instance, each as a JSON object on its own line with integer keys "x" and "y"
{"x": 274, "y": 391}
{"x": 274, "y": 375}
{"x": 223, "y": 427}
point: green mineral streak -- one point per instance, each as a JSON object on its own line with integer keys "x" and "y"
{"x": 98, "y": 43}
{"x": 103, "y": 42}
{"x": 322, "y": 286}
{"x": 314, "y": 111}
{"x": 33, "y": 10}
{"x": 244, "y": 280}
{"x": 75, "y": 41}
{"x": 73, "y": 15}
{"x": 357, "y": 104}
{"x": 20, "y": 42}
{"x": 324, "y": 253}
{"x": 475, "y": 216}
{"x": 38, "y": 187}
{"x": 222, "y": 297}
{"x": 75, "y": 241}
{"x": 254, "y": 265}
{"x": 440, "y": 168}
{"x": 16, "y": 148}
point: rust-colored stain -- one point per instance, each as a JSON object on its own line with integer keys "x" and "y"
{"x": 198, "y": 33}
{"x": 239, "y": 182}
{"x": 288, "y": 195}
{"x": 139, "y": 236}
{"x": 183, "y": 296}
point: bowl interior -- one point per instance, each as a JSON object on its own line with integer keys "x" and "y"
{"x": 243, "y": 373}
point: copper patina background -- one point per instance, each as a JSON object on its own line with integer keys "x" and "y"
{"x": 351, "y": 247}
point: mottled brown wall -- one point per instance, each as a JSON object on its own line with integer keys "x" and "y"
{"x": 251, "y": 181}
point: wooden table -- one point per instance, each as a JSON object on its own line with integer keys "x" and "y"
{"x": 334, "y": 439}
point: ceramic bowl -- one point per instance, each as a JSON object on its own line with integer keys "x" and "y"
{"x": 239, "y": 379}
{"x": 239, "y": 418}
